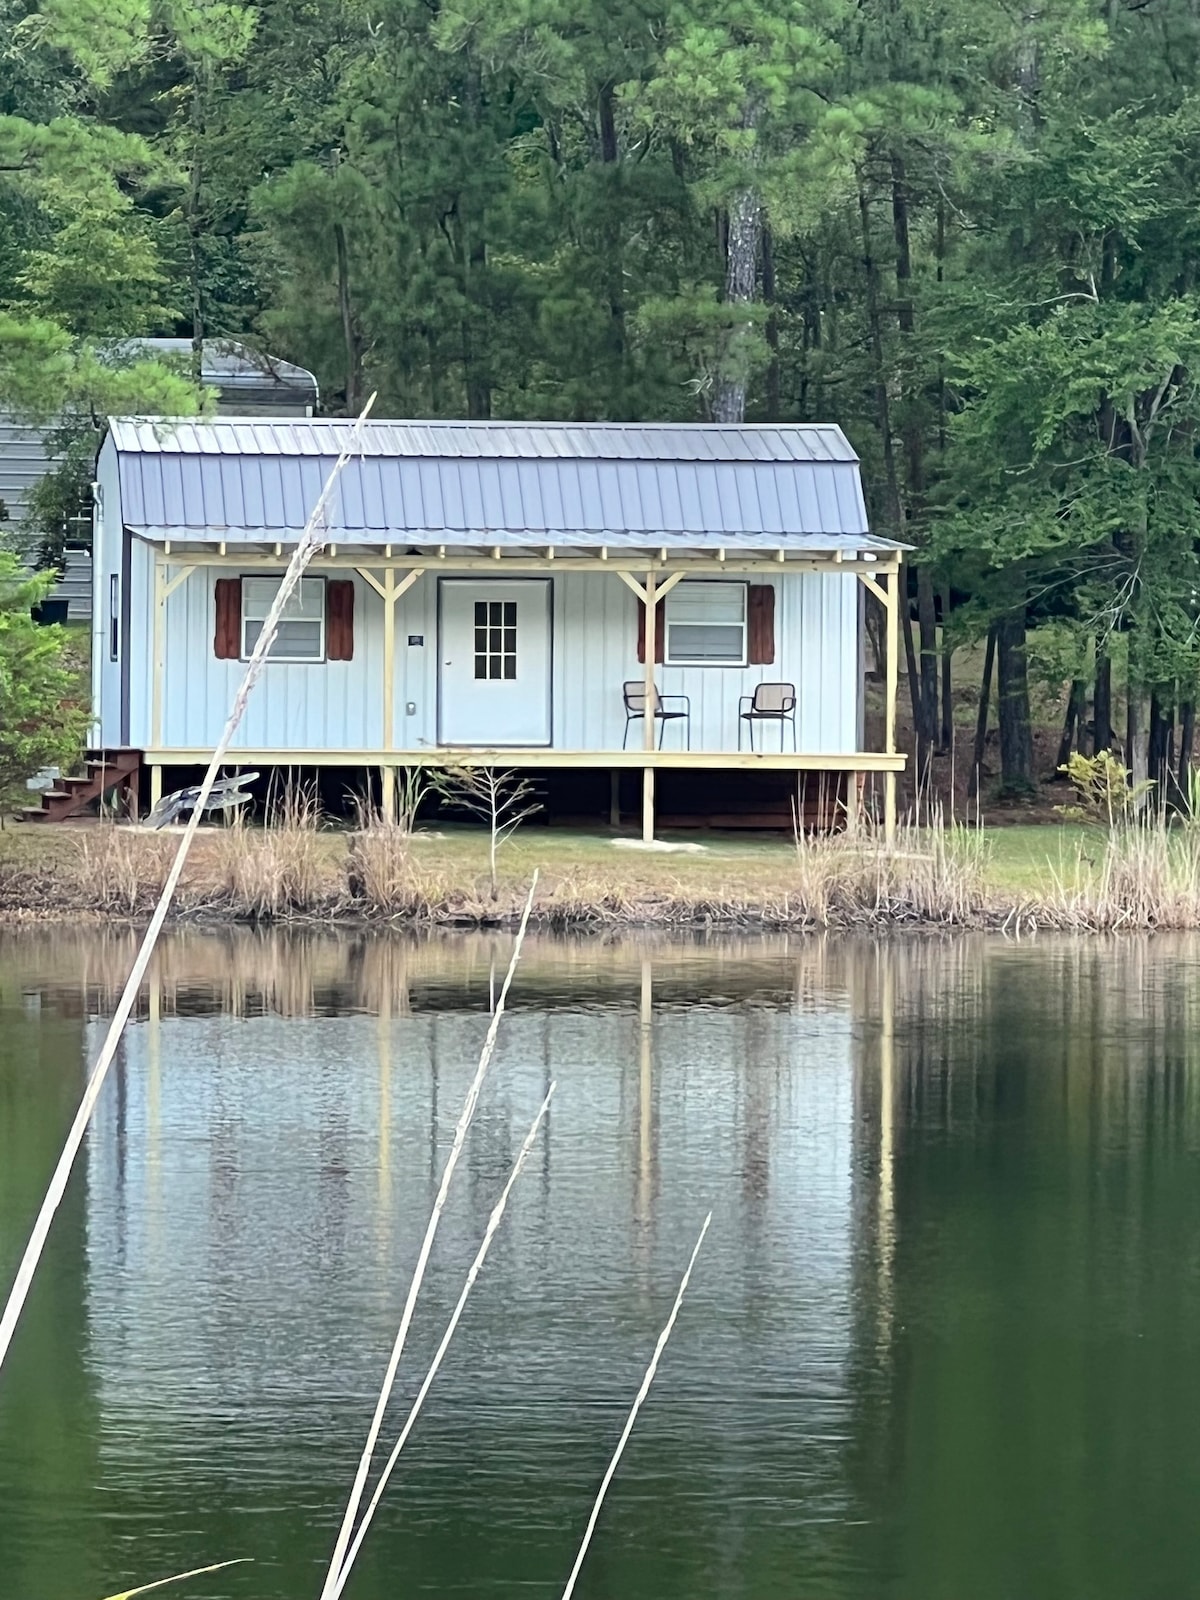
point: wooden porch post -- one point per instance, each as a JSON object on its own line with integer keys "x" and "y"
{"x": 648, "y": 708}
{"x": 390, "y": 592}
{"x": 389, "y": 672}
{"x": 155, "y": 786}
{"x": 893, "y": 675}
{"x": 387, "y": 795}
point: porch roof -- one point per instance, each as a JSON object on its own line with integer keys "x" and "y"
{"x": 514, "y": 485}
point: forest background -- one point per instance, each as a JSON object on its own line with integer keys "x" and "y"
{"x": 968, "y": 232}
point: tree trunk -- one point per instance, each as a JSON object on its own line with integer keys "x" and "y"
{"x": 741, "y": 273}
{"x": 1158, "y": 748}
{"x": 912, "y": 673}
{"x": 773, "y": 411}
{"x": 946, "y": 740}
{"x": 914, "y": 461}
{"x": 349, "y": 333}
{"x": 981, "y": 718}
{"x": 194, "y": 231}
{"x": 1012, "y": 686}
{"x": 473, "y": 234}
{"x": 478, "y": 387}
{"x": 1074, "y": 713}
{"x": 927, "y": 629}
{"x": 1102, "y": 728}
{"x": 883, "y": 413}
{"x": 614, "y": 248}
{"x": 1135, "y": 739}
{"x": 1187, "y": 735}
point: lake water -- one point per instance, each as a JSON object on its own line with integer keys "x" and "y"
{"x": 943, "y": 1339}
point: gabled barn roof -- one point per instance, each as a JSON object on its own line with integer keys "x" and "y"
{"x": 497, "y": 483}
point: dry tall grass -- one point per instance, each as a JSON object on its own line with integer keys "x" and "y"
{"x": 121, "y": 872}
{"x": 280, "y": 870}
{"x": 1140, "y": 877}
{"x": 934, "y": 875}
{"x": 937, "y": 875}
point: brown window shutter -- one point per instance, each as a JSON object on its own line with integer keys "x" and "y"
{"x": 339, "y": 620}
{"x": 660, "y": 633}
{"x": 761, "y": 624}
{"x": 227, "y": 636}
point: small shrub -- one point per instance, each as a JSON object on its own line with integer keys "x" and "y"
{"x": 1104, "y": 793}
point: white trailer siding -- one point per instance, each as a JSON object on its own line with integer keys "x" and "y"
{"x": 334, "y": 706}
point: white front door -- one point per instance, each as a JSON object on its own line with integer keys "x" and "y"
{"x": 494, "y": 650}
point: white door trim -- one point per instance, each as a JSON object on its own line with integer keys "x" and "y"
{"x": 481, "y": 582}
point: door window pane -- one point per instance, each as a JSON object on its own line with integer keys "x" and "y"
{"x": 495, "y": 639}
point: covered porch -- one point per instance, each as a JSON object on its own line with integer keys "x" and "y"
{"x": 404, "y": 590}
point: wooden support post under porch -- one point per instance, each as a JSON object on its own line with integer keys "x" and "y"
{"x": 651, "y": 594}
{"x": 886, "y": 587}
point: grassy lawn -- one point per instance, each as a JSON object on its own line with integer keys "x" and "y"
{"x": 1020, "y": 859}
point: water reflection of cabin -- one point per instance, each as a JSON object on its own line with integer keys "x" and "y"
{"x": 515, "y": 595}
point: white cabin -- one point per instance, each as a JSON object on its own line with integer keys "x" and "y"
{"x": 483, "y": 598}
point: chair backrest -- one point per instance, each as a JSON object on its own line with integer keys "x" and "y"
{"x": 635, "y": 697}
{"x": 779, "y": 698}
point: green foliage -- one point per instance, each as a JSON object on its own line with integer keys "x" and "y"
{"x": 972, "y": 240}
{"x": 1104, "y": 791}
{"x": 43, "y": 709}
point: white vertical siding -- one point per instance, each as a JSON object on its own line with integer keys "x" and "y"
{"x": 332, "y": 705}
{"x": 106, "y": 561}
{"x": 816, "y": 648}
{"x": 339, "y": 705}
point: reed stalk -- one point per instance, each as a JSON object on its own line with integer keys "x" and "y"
{"x": 338, "y": 1559}
{"x": 180, "y": 1577}
{"x": 480, "y": 1256}
{"x": 311, "y": 540}
{"x": 632, "y": 1417}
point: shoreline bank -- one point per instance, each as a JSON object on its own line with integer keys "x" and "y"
{"x": 937, "y": 878}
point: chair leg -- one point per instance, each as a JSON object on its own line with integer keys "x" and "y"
{"x": 793, "y": 722}
{"x": 662, "y": 731}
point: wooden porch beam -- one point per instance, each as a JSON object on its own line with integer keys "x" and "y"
{"x": 735, "y": 564}
{"x": 172, "y": 584}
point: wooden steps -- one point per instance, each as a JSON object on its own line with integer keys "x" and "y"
{"x": 104, "y": 770}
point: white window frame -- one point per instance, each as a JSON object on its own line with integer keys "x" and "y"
{"x": 743, "y": 659}
{"x": 273, "y": 654}
{"x": 114, "y": 617}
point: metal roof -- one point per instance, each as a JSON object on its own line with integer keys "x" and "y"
{"x": 230, "y": 364}
{"x": 496, "y": 483}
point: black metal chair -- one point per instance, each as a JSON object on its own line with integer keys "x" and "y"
{"x": 662, "y": 710}
{"x": 770, "y": 702}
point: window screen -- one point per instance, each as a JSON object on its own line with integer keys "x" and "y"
{"x": 114, "y": 617}
{"x": 706, "y": 624}
{"x": 495, "y": 638}
{"x": 301, "y": 635}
